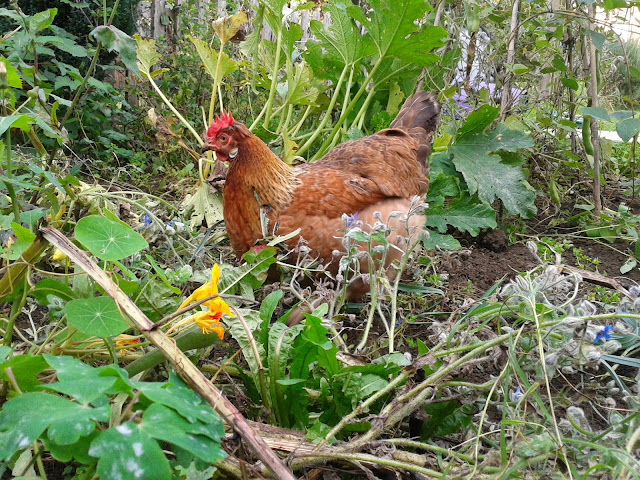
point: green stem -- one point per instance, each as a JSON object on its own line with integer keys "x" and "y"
{"x": 327, "y": 114}
{"x": 274, "y": 80}
{"x": 16, "y": 308}
{"x": 175, "y": 112}
{"x": 214, "y": 89}
{"x": 298, "y": 126}
{"x": 341, "y": 120}
{"x": 363, "y": 110}
{"x": 15, "y": 205}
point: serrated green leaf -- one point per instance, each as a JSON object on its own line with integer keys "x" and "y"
{"x": 96, "y": 316}
{"x": 203, "y": 205}
{"x": 209, "y": 58}
{"x": 147, "y": 54}
{"x": 486, "y": 174}
{"x": 267, "y": 308}
{"x": 281, "y": 339}
{"x": 116, "y": 40}
{"x": 126, "y": 452}
{"x": 108, "y": 240}
{"x": 394, "y": 30}
{"x": 478, "y": 120}
{"x": 462, "y": 215}
{"x": 317, "y": 335}
{"x": 227, "y": 27}
{"x": 627, "y": 129}
{"x": 362, "y": 386}
{"x": 341, "y": 38}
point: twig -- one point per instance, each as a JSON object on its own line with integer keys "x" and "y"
{"x": 187, "y": 370}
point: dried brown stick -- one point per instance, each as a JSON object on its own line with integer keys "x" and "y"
{"x": 187, "y": 370}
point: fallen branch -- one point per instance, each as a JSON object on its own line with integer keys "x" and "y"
{"x": 185, "y": 368}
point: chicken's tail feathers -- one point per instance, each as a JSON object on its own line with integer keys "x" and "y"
{"x": 420, "y": 116}
{"x": 420, "y": 110}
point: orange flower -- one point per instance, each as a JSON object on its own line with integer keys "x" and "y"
{"x": 123, "y": 340}
{"x": 208, "y": 320}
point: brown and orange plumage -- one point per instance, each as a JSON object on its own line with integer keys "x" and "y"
{"x": 379, "y": 173}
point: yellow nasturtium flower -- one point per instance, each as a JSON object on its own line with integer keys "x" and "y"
{"x": 208, "y": 320}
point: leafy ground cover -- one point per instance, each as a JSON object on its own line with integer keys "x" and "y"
{"x": 506, "y": 346}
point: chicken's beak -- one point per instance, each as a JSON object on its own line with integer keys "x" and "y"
{"x": 208, "y": 146}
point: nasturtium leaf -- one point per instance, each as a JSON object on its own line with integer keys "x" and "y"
{"x": 628, "y": 128}
{"x": 596, "y": 112}
{"x": 165, "y": 424}
{"x": 116, "y": 40}
{"x": 126, "y": 452}
{"x": 98, "y": 316}
{"x": 108, "y": 240}
{"x": 67, "y": 421}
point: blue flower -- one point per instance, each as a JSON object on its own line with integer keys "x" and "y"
{"x": 146, "y": 219}
{"x": 352, "y": 219}
{"x": 603, "y": 334}
{"x": 517, "y": 395}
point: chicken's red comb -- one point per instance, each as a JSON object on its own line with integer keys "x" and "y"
{"x": 223, "y": 121}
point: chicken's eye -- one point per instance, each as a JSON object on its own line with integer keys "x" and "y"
{"x": 223, "y": 138}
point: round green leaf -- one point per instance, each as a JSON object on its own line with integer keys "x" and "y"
{"x": 98, "y": 316}
{"x": 108, "y": 240}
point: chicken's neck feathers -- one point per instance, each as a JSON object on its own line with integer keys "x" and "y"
{"x": 271, "y": 180}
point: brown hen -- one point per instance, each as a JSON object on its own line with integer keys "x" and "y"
{"x": 379, "y": 173}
